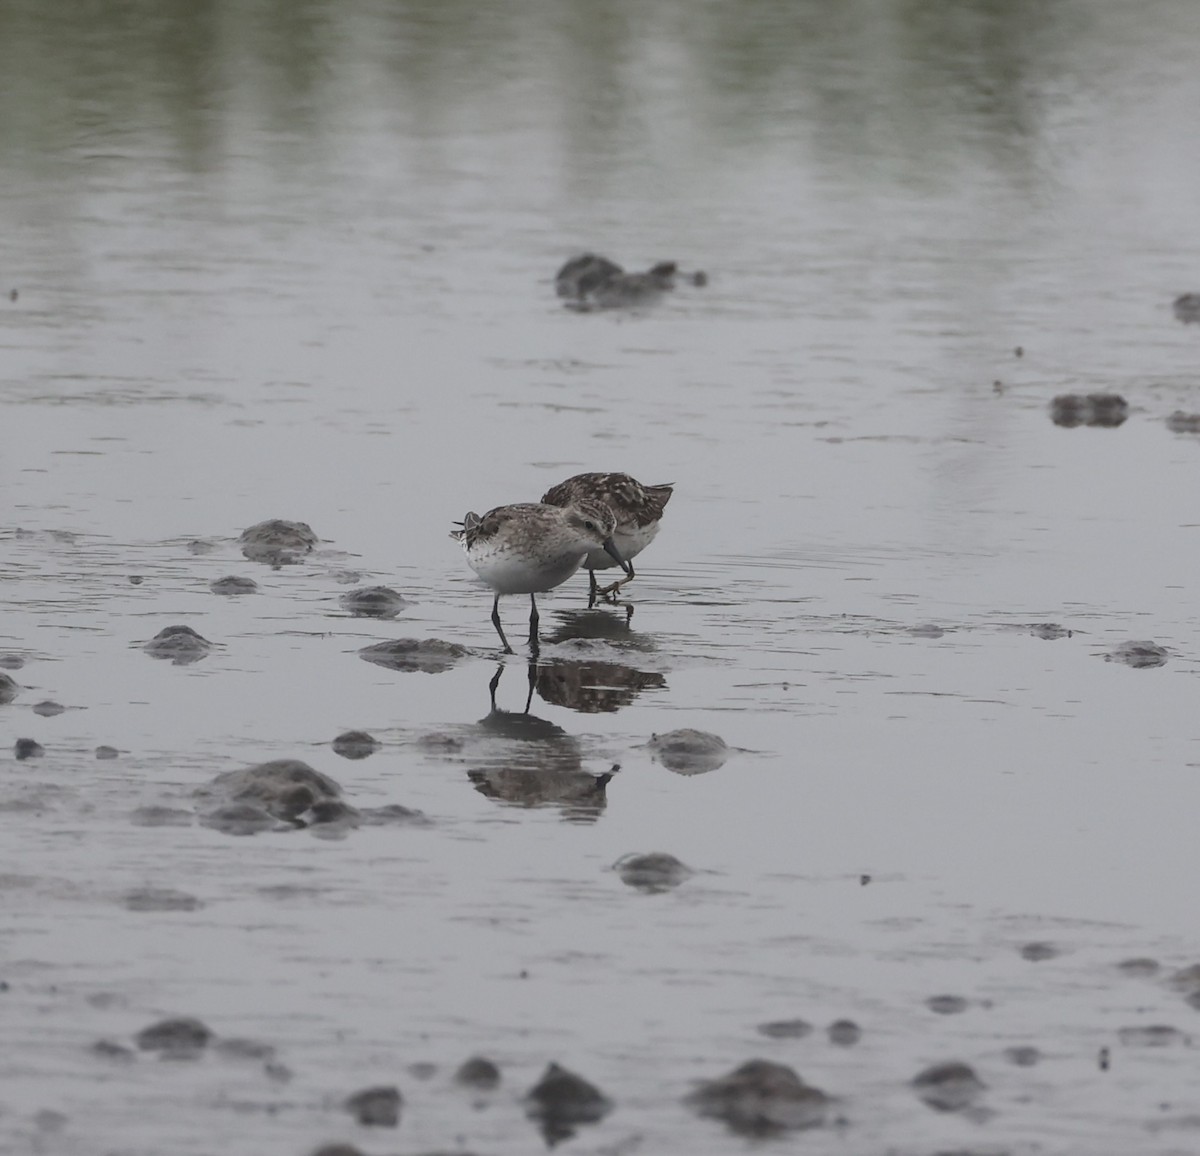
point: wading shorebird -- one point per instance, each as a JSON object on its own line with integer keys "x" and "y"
{"x": 637, "y": 510}
{"x": 532, "y": 547}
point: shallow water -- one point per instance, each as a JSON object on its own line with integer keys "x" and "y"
{"x": 297, "y": 261}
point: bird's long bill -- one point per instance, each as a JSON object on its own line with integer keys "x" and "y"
{"x": 613, "y": 553}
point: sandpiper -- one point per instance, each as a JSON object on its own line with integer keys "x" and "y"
{"x": 637, "y": 510}
{"x": 532, "y": 547}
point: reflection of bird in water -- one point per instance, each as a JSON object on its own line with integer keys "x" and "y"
{"x": 532, "y": 547}
{"x": 599, "y": 624}
{"x": 535, "y": 762}
{"x": 637, "y": 509}
{"x": 593, "y": 687}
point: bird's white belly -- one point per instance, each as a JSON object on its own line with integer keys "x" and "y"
{"x": 629, "y": 540}
{"x": 510, "y": 572}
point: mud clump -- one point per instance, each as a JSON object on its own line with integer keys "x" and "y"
{"x": 180, "y": 644}
{"x": 561, "y": 1100}
{"x": 1037, "y": 952}
{"x": 947, "y": 1005}
{"x": 652, "y": 873}
{"x": 1050, "y": 631}
{"x": 1023, "y": 1056}
{"x": 48, "y": 709}
{"x": 478, "y": 1073}
{"x": 1184, "y": 423}
{"x": 1106, "y": 410}
{"x": 9, "y": 689}
{"x": 232, "y": 586}
{"x": 106, "y": 752}
{"x": 949, "y": 1087}
{"x": 277, "y": 542}
{"x": 688, "y": 752}
{"x": 111, "y": 1050}
{"x": 373, "y": 602}
{"x": 761, "y": 1099}
{"x": 1186, "y": 308}
{"x": 785, "y": 1029}
{"x": 376, "y": 1107}
{"x": 28, "y": 749}
{"x": 182, "y": 1038}
{"x": 844, "y": 1033}
{"x": 1140, "y": 966}
{"x": 424, "y": 655}
{"x": 355, "y": 745}
{"x": 1139, "y": 655}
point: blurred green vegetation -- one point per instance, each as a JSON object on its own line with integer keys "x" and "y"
{"x": 72, "y": 71}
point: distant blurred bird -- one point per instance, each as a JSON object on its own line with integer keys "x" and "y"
{"x": 637, "y": 511}
{"x": 590, "y": 281}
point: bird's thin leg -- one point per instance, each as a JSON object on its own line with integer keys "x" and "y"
{"x": 496, "y": 623}
{"x": 533, "y": 625}
{"x": 610, "y": 592}
{"x": 593, "y": 587}
{"x": 494, "y": 684}
{"x": 533, "y": 669}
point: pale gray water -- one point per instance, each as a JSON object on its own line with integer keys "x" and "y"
{"x": 282, "y": 260}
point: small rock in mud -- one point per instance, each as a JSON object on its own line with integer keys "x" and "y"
{"x": 1139, "y": 655}
{"x": 376, "y": 1107}
{"x": 201, "y": 546}
{"x": 946, "y": 1005}
{"x": 427, "y": 655}
{"x": 949, "y": 1087}
{"x": 652, "y": 873}
{"x": 373, "y": 602}
{"x": 161, "y": 817}
{"x": 477, "y": 1072}
{"x": 8, "y": 689}
{"x": 785, "y": 1029}
{"x": 277, "y": 542}
{"x": 761, "y": 1098}
{"x": 183, "y": 1037}
{"x": 181, "y": 644}
{"x": 242, "y": 1049}
{"x": 1140, "y": 967}
{"x": 103, "y": 752}
{"x": 10, "y": 662}
{"x": 1049, "y": 631}
{"x": 844, "y": 1033}
{"x": 1187, "y": 979}
{"x": 28, "y": 749}
{"x": 161, "y": 899}
{"x": 232, "y": 585}
{"x": 48, "y": 709}
{"x": 1184, "y": 423}
{"x": 560, "y": 1100}
{"x": 1186, "y": 307}
{"x": 1022, "y": 1056}
{"x": 1152, "y": 1036}
{"x": 355, "y": 745}
{"x": 111, "y": 1050}
{"x": 1036, "y": 952}
{"x": 136, "y": 579}
{"x": 927, "y": 630}
{"x": 1107, "y": 410}
{"x": 688, "y": 752}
